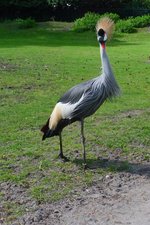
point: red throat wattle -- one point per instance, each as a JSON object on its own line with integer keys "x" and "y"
{"x": 103, "y": 45}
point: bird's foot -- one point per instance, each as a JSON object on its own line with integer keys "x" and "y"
{"x": 63, "y": 158}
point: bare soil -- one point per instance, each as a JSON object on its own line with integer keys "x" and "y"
{"x": 121, "y": 198}
{"x": 7, "y": 66}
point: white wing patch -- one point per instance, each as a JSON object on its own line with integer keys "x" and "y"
{"x": 68, "y": 108}
{"x": 62, "y": 111}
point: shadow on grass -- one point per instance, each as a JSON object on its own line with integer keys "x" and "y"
{"x": 116, "y": 166}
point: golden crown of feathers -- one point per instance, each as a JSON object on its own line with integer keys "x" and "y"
{"x": 107, "y": 25}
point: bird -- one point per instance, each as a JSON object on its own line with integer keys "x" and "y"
{"x": 83, "y": 99}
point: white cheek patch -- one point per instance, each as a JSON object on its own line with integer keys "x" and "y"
{"x": 105, "y": 37}
{"x": 98, "y": 38}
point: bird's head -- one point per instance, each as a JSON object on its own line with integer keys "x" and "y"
{"x": 101, "y": 36}
{"x": 104, "y": 29}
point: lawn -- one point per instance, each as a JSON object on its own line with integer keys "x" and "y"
{"x": 36, "y": 67}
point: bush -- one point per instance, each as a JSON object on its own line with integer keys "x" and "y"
{"x": 140, "y": 21}
{"x": 89, "y": 21}
{"x": 27, "y": 23}
{"x": 86, "y": 23}
{"x": 130, "y": 25}
{"x": 125, "y": 26}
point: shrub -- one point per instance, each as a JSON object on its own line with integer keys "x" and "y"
{"x": 140, "y": 21}
{"x": 86, "y": 23}
{"x": 125, "y": 26}
{"x": 89, "y": 21}
{"x": 27, "y": 23}
{"x": 130, "y": 25}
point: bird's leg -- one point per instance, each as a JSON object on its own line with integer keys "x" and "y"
{"x": 83, "y": 143}
{"x": 61, "y": 149}
{"x": 61, "y": 155}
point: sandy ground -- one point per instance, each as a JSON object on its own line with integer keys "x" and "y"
{"x": 121, "y": 198}
{"x": 121, "y": 204}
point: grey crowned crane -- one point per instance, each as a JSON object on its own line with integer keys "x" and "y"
{"x": 85, "y": 98}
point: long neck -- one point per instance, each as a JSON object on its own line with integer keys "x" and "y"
{"x": 109, "y": 81}
{"x": 106, "y": 67}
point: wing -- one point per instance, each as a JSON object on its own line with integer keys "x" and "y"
{"x": 74, "y": 94}
{"x": 83, "y": 99}
{"x": 93, "y": 98}
{"x": 67, "y": 103}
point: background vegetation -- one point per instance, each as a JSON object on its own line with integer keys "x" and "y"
{"x": 69, "y": 10}
{"x": 126, "y": 26}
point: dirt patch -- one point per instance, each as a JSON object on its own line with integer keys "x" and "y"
{"x": 7, "y": 66}
{"x": 130, "y": 114}
{"x": 13, "y": 198}
{"x": 121, "y": 198}
{"x": 125, "y": 114}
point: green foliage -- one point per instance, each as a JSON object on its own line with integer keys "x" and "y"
{"x": 87, "y": 22}
{"x": 90, "y": 19}
{"x": 129, "y": 25}
{"x": 125, "y": 26}
{"x": 25, "y": 23}
{"x": 140, "y": 21}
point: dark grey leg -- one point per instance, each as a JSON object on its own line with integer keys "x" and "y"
{"x": 61, "y": 149}
{"x": 61, "y": 155}
{"x": 83, "y": 143}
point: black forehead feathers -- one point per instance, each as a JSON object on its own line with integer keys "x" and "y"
{"x": 101, "y": 32}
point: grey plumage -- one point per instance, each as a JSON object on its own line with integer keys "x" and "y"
{"x": 93, "y": 92}
{"x": 74, "y": 94}
{"x": 83, "y": 99}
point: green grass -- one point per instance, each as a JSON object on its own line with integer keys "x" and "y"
{"x": 36, "y": 67}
